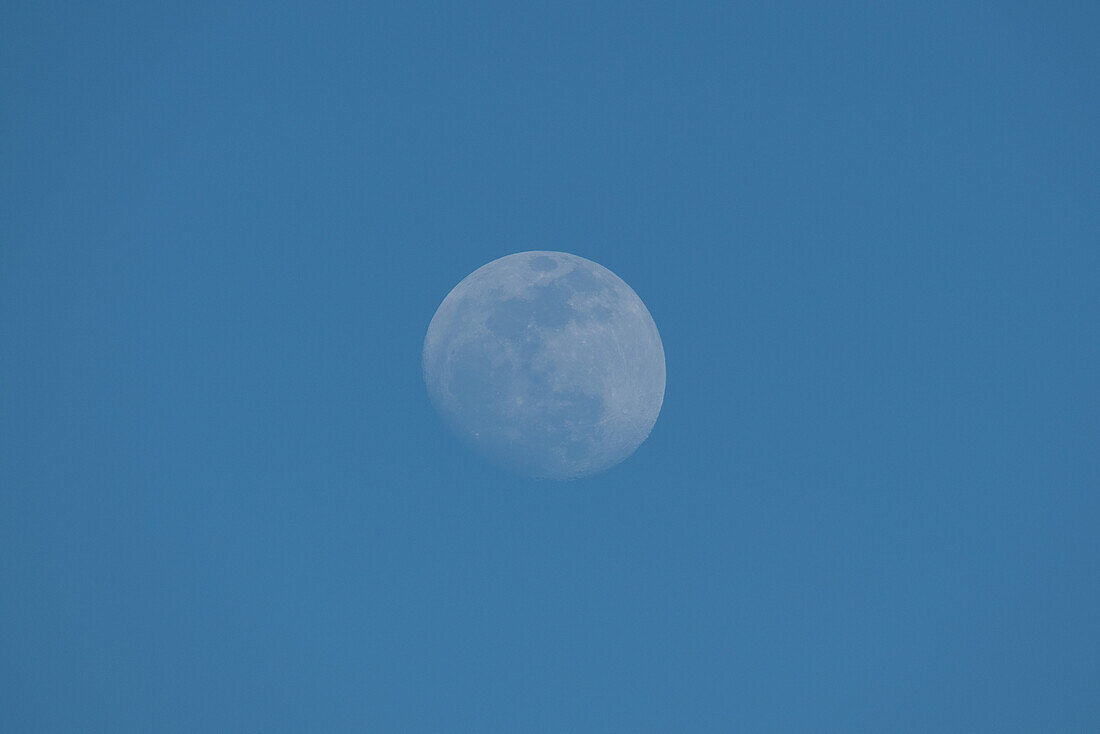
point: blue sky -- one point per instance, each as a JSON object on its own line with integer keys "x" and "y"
{"x": 868, "y": 233}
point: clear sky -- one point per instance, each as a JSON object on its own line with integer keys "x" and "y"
{"x": 869, "y": 233}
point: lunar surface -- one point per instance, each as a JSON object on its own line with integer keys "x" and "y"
{"x": 546, "y": 363}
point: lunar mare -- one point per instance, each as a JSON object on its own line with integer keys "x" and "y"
{"x": 546, "y": 363}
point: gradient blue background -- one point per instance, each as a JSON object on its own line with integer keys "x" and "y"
{"x": 867, "y": 231}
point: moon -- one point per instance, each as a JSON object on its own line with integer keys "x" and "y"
{"x": 546, "y": 363}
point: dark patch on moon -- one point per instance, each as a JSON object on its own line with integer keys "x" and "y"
{"x": 601, "y": 313}
{"x": 543, "y": 263}
{"x": 580, "y": 281}
{"x": 580, "y": 408}
{"x": 548, "y": 308}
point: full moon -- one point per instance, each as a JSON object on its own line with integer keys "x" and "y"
{"x": 547, "y": 364}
